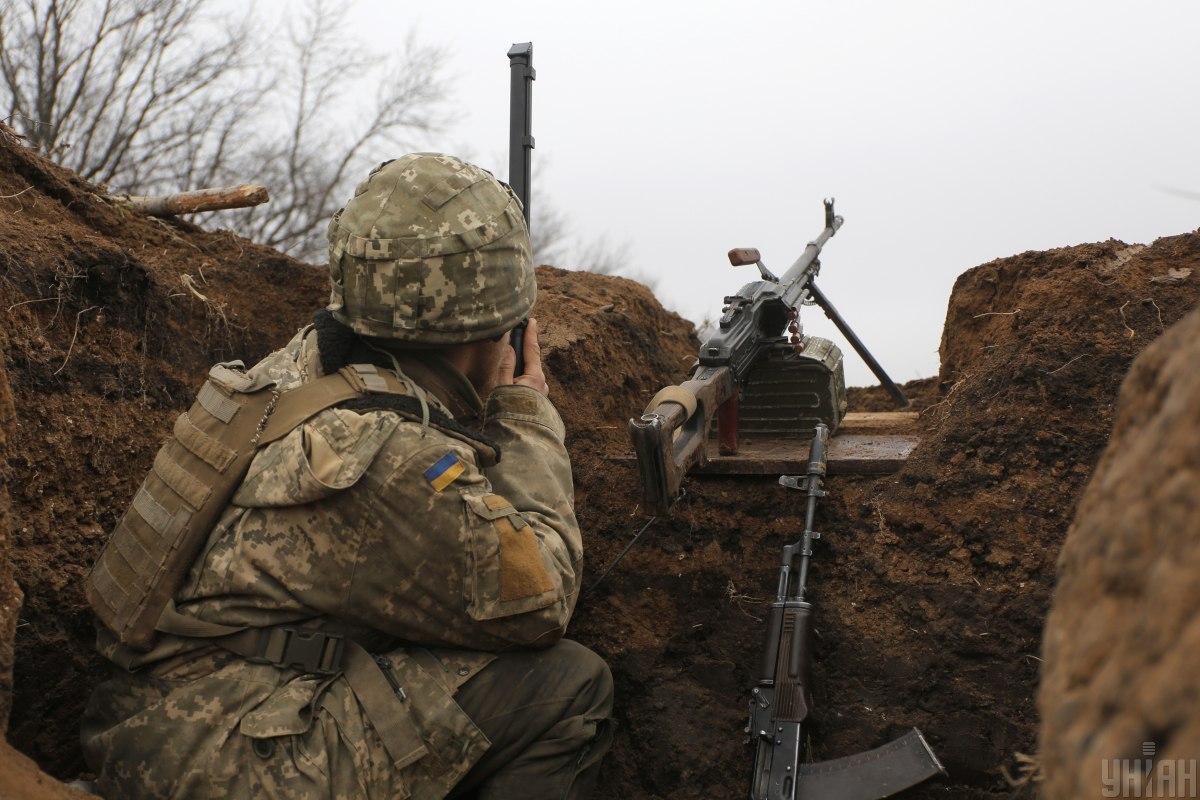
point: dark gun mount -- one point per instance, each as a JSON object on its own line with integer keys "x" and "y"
{"x": 750, "y": 376}
{"x": 781, "y": 699}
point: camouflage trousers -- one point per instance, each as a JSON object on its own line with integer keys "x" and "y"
{"x": 548, "y": 716}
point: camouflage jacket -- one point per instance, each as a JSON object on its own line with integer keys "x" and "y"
{"x": 394, "y": 532}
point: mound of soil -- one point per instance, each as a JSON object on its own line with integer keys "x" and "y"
{"x": 20, "y": 779}
{"x": 1123, "y": 636}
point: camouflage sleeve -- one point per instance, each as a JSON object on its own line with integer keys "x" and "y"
{"x": 534, "y": 473}
{"x": 461, "y": 557}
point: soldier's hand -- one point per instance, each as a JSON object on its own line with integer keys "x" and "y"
{"x": 533, "y": 377}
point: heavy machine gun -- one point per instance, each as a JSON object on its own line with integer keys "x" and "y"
{"x": 750, "y": 377}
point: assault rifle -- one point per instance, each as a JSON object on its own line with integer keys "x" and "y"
{"x": 671, "y": 436}
{"x": 781, "y": 699}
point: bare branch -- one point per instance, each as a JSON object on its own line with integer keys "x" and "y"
{"x": 159, "y": 96}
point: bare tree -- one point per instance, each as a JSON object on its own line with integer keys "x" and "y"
{"x": 138, "y": 94}
{"x": 555, "y": 242}
{"x": 329, "y": 141}
{"x": 549, "y": 232}
{"x": 606, "y": 257}
{"x": 148, "y": 96}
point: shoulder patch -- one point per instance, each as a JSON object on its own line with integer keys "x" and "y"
{"x": 445, "y": 471}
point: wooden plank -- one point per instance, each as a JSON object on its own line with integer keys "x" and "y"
{"x": 849, "y": 454}
{"x": 866, "y": 443}
{"x": 878, "y": 422}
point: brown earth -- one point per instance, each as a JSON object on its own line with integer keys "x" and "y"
{"x": 111, "y": 317}
{"x": 1124, "y": 629}
{"x": 10, "y": 594}
{"x": 931, "y": 584}
{"x": 20, "y": 779}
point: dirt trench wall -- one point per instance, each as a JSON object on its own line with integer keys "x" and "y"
{"x": 10, "y": 593}
{"x": 110, "y": 319}
{"x": 1123, "y": 637}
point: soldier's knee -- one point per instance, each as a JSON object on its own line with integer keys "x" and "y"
{"x": 590, "y": 671}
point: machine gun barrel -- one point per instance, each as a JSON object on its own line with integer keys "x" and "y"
{"x": 800, "y": 274}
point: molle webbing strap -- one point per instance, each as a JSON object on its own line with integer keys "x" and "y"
{"x": 203, "y": 446}
{"x": 182, "y": 482}
{"x": 215, "y": 402}
{"x": 195, "y": 473}
{"x": 149, "y": 510}
{"x": 319, "y": 649}
{"x": 296, "y": 407}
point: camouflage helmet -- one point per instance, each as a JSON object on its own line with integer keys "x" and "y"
{"x": 430, "y": 250}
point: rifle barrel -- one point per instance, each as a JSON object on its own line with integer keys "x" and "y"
{"x": 795, "y": 279}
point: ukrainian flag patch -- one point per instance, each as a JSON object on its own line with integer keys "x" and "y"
{"x": 445, "y": 471}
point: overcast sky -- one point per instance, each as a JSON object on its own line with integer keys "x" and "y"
{"x": 950, "y": 132}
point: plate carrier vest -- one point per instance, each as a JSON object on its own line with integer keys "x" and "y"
{"x": 195, "y": 474}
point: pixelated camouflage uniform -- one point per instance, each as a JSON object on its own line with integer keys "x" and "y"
{"x": 461, "y": 580}
{"x": 338, "y": 521}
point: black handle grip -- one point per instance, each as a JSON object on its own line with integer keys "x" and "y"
{"x": 516, "y": 340}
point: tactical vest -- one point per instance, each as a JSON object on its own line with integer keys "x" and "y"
{"x": 195, "y": 474}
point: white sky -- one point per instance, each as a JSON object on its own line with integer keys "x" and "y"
{"x": 950, "y": 132}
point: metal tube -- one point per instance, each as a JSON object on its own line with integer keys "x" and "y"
{"x": 806, "y": 545}
{"x": 520, "y": 116}
{"x": 821, "y": 300}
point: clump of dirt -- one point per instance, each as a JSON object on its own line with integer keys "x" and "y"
{"x": 920, "y": 393}
{"x": 1121, "y": 640}
{"x": 21, "y": 778}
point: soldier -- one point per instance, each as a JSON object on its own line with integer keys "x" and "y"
{"x": 389, "y": 521}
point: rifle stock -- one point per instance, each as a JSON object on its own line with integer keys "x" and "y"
{"x": 671, "y": 435}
